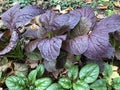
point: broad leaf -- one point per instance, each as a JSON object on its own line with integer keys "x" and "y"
{"x": 0, "y": 74}
{"x": 50, "y": 66}
{"x": 32, "y": 76}
{"x": 50, "y": 48}
{"x": 107, "y": 70}
{"x": 100, "y": 84}
{"x": 65, "y": 83}
{"x": 26, "y": 14}
{"x": 8, "y": 17}
{"x": 80, "y": 85}
{"x": 89, "y": 73}
{"x": 40, "y": 70}
{"x": 15, "y": 83}
{"x": 42, "y": 84}
{"x": 12, "y": 43}
{"x": 77, "y": 45}
{"x": 111, "y": 24}
{"x": 55, "y": 86}
{"x": 116, "y": 83}
{"x": 46, "y": 20}
{"x": 31, "y": 46}
{"x": 73, "y": 72}
{"x": 34, "y": 56}
{"x": 71, "y": 19}
{"x": 98, "y": 44}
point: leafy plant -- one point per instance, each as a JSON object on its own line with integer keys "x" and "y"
{"x": 31, "y": 82}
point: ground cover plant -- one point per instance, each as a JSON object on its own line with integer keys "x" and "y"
{"x": 74, "y": 42}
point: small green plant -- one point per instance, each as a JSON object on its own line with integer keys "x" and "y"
{"x": 85, "y": 79}
{"x": 32, "y": 82}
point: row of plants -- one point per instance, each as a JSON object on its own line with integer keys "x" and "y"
{"x": 84, "y": 79}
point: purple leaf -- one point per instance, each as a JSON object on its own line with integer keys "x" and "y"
{"x": 32, "y": 45}
{"x": 77, "y": 45}
{"x": 26, "y": 14}
{"x": 30, "y": 33}
{"x": 110, "y": 24}
{"x": 98, "y": 44}
{"x": 9, "y": 16}
{"x": 71, "y": 19}
{"x": 50, "y": 48}
{"x": 87, "y": 13}
{"x": 12, "y": 43}
{"x": 110, "y": 51}
{"x": 47, "y": 20}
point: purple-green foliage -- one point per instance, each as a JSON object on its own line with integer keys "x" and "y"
{"x": 78, "y": 32}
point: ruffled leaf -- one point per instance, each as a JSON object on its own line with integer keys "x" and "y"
{"x": 26, "y": 14}
{"x": 98, "y": 44}
{"x": 8, "y": 17}
{"x": 12, "y": 43}
{"x": 77, "y": 45}
{"x": 47, "y": 20}
{"x": 110, "y": 24}
{"x": 71, "y": 19}
{"x": 50, "y": 48}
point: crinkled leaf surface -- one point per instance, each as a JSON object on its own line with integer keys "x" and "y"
{"x": 15, "y": 17}
{"x": 26, "y": 14}
{"x": 47, "y": 20}
{"x": 77, "y": 45}
{"x": 80, "y": 85}
{"x": 43, "y": 83}
{"x": 15, "y": 83}
{"x": 31, "y": 46}
{"x": 32, "y": 76}
{"x": 65, "y": 83}
{"x": 73, "y": 72}
{"x": 12, "y": 43}
{"x": 40, "y": 70}
{"x": 89, "y": 73}
{"x": 55, "y": 86}
{"x": 116, "y": 83}
{"x": 110, "y": 24}
{"x": 8, "y": 17}
{"x": 50, "y": 48}
{"x": 100, "y": 84}
{"x": 98, "y": 44}
{"x": 107, "y": 70}
{"x": 71, "y": 19}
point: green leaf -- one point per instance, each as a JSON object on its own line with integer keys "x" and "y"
{"x": 55, "y": 86}
{"x": 107, "y": 70}
{"x": 99, "y": 85}
{"x": 89, "y": 73}
{"x": 116, "y": 83}
{"x": 34, "y": 56}
{"x": 80, "y": 85}
{"x": 73, "y": 72}
{"x": 15, "y": 83}
{"x": 65, "y": 83}
{"x": 40, "y": 70}
{"x": 0, "y": 74}
{"x": 32, "y": 76}
{"x": 43, "y": 83}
